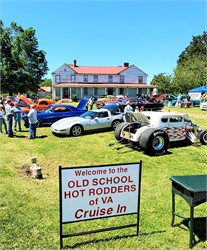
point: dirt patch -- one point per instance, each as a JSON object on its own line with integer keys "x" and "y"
{"x": 25, "y": 172}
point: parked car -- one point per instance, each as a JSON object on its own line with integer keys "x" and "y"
{"x": 203, "y": 106}
{"x": 153, "y": 131}
{"x": 40, "y": 104}
{"x": 56, "y": 112}
{"x": 93, "y": 120}
{"x": 148, "y": 106}
{"x": 64, "y": 100}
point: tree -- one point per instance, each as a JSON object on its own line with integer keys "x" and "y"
{"x": 46, "y": 82}
{"x": 191, "y": 75}
{"x": 22, "y": 65}
{"x": 164, "y": 83}
{"x": 191, "y": 70}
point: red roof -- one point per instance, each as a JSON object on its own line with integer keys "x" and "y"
{"x": 99, "y": 70}
{"x": 104, "y": 85}
{"x": 45, "y": 89}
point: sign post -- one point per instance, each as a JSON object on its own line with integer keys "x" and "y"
{"x": 96, "y": 192}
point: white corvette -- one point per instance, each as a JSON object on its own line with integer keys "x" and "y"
{"x": 203, "y": 106}
{"x": 89, "y": 121}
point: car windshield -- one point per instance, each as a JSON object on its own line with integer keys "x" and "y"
{"x": 48, "y": 109}
{"x": 88, "y": 114}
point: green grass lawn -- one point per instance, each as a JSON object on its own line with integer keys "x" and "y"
{"x": 29, "y": 208}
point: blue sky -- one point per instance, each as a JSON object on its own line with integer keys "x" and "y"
{"x": 149, "y": 34}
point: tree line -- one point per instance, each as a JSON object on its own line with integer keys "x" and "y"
{"x": 190, "y": 71}
{"x": 23, "y": 65}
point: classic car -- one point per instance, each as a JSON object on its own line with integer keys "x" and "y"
{"x": 203, "y": 106}
{"x": 93, "y": 120}
{"x": 40, "y": 104}
{"x": 153, "y": 131}
{"x": 56, "y": 112}
{"x": 139, "y": 102}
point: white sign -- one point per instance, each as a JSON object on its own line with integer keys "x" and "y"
{"x": 96, "y": 192}
{"x": 195, "y": 96}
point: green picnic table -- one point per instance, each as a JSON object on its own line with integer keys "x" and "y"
{"x": 193, "y": 189}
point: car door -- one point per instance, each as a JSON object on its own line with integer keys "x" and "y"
{"x": 60, "y": 112}
{"x": 176, "y": 129}
{"x": 101, "y": 121}
{"x": 53, "y": 114}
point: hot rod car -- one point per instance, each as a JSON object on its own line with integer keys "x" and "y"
{"x": 153, "y": 131}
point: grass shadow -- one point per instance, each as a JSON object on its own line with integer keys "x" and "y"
{"x": 111, "y": 238}
{"x": 41, "y": 136}
{"x": 199, "y": 228}
{"x": 20, "y": 136}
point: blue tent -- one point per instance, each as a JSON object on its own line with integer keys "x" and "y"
{"x": 201, "y": 89}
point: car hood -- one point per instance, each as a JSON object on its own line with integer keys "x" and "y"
{"x": 139, "y": 117}
{"x": 82, "y": 104}
{"x": 68, "y": 121}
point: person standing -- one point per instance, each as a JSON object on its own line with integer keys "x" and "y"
{"x": 2, "y": 120}
{"x": 179, "y": 101}
{"x": 136, "y": 109}
{"x": 17, "y": 116}
{"x": 90, "y": 103}
{"x": 9, "y": 116}
{"x": 32, "y": 117}
{"x": 128, "y": 108}
{"x": 141, "y": 109}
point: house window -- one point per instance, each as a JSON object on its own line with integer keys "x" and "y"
{"x": 95, "y": 78}
{"x": 110, "y": 78}
{"x": 85, "y": 91}
{"x": 140, "y": 79}
{"x": 85, "y": 78}
{"x": 95, "y": 91}
{"x": 57, "y": 78}
{"x": 121, "y": 79}
{"x": 73, "y": 78}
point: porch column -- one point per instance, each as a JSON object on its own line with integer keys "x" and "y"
{"x": 70, "y": 95}
{"x": 81, "y": 92}
{"x": 105, "y": 91}
{"x": 61, "y": 93}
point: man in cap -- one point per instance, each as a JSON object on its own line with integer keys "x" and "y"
{"x": 9, "y": 116}
{"x": 128, "y": 108}
{"x": 32, "y": 117}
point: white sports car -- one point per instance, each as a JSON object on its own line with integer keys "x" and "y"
{"x": 203, "y": 106}
{"x": 89, "y": 121}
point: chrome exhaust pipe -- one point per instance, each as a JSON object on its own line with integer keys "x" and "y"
{"x": 191, "y": 136}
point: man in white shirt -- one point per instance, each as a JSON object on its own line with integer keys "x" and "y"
{"x": 128, "y": 108}
{"x": 9, "y": 116}
{"x": 32, "y": 117}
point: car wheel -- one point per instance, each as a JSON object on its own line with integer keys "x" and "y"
{"x": 76, "y": 130}
{"x": 154, "y": 141}
{"x": 203, "y": 137}
{"x": 117, "y": 132}
{"x": 115, "y": 124}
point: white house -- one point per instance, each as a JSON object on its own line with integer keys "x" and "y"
{"x": 98, "y": 81}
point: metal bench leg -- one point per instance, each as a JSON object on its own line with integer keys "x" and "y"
{"x": 173, "y": 209}
{"x": 191, "y": 225}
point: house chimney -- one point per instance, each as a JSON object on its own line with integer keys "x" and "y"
{"x": 126, "y": 64}
{"x": 74, "y": 63}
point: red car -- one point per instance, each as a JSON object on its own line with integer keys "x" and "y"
{"x": 40, "y": 104}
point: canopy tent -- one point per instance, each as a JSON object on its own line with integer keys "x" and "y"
{"x": 201, "y": 89}
{"x": 195, "y": 94}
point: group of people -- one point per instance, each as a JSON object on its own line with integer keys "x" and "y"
{"x": 129, "y": 108}
{"x": 13, "y": 113}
